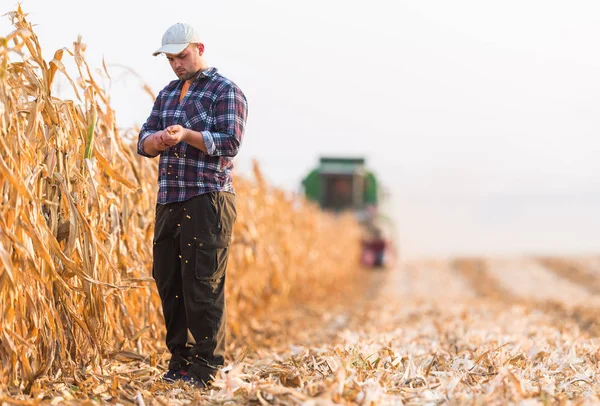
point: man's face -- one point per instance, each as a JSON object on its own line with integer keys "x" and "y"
{"x": 188, "y": 62}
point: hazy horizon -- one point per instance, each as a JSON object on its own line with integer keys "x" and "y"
{"x": 480, "y": 119}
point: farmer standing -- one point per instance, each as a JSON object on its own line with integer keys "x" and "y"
{"x": 196, "y": 126}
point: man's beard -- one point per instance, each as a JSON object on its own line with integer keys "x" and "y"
{"x": 188, "y": 76}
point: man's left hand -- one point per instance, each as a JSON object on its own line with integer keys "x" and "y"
{"x": 174, "y": 134}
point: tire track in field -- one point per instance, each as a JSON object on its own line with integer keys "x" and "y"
{"x": 573, "y": 272}
{"x": 476, "y": 273}
{"x": 430, "y": 280}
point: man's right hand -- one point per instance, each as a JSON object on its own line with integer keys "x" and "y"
{"x": 155, "y": 144}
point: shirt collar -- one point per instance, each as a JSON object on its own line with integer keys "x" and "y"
{"x": 207, "y": 73}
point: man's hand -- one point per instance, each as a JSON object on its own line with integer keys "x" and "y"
{"x": 174, "y": 134}
{"x": 156, "y": 143}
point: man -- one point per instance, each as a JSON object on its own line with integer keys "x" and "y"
{"x": 196, "y": 126}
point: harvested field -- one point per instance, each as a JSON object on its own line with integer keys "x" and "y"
{"x": 411, "y": 340}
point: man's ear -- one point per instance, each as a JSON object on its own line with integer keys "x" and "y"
{"x": 201, "y": 49}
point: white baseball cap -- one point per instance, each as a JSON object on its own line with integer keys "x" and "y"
{"x": 176, "y": 38}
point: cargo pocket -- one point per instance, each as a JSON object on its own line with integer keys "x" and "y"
{"x": 206, "y": 263}
{"x": 210, "y": 272}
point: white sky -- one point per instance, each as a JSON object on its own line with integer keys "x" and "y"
{"x": 481, "y": 117}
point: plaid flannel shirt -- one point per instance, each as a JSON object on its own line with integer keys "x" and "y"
{"x": 216, "y": 108}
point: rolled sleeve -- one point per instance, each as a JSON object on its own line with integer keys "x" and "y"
{"x": 209, "y": 142}
{"x": 230, "y": 112}
{"x": 140, "y": 145}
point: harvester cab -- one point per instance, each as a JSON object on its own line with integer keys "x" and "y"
{"x": 342, "y": 184}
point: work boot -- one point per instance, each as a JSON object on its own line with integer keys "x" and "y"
{"x": 178, "y": 368}
{"x": 173, "y": 375}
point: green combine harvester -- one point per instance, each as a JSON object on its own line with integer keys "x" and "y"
{"x": 346, "y": 184}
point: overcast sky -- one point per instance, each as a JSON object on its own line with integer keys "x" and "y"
{"x": 481, "y": 118}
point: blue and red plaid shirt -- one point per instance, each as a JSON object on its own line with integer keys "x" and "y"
{"x": 213, "y": 106}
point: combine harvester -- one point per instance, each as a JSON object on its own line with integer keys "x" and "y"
{"x": 346, "y": 184}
